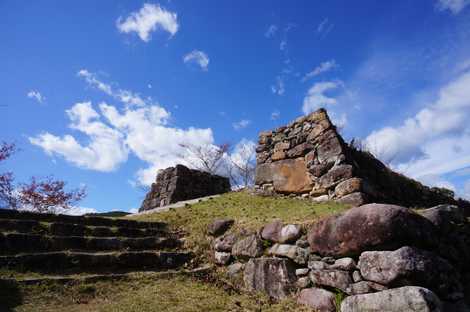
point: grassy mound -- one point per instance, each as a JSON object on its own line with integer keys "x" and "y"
{"x": 177, "y": 293}
{"x": 249, "y": 211}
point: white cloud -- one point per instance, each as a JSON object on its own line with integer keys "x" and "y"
{"x": 454, "y": 6}
{"x": 275, "y": 115}
{"x": 105, "y": 150}
{"x": 279, "y": 87}
{"x": 78, "y": 211}
{"x": 317, "y": 98}
{"x": 198, "y": 57}
{"x": 444, "y": 121}
{"x": 113, "y": 133}
{"x": 148, "y": 19}
{"x": 322, "y": 68}
{"x": 134, "y": 210}
{"x": 324, "y": 28}
{"x": 283, "y": 45}
{"x": 241, "y": 124}
{"x": 125, "y": 96}
{"x": 271, "y": 32}
{"x": 466, "y": 190}
{"x": 36, "y": 95}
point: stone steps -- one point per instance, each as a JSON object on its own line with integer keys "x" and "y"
{"x": 11, "y": 243}
{"x": 64, "y": 261}
{"x": 72, "y": 229}
{"x": 63, "y": 244}
{"x": 11, "y": 214}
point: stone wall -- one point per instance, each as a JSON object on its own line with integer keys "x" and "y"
{"x": 181, "y": 183}
{"x": 309, "y": 158}
{"x": 398, "y": 261}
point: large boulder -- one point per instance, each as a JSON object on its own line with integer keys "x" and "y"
{"x": 287, "y": 176}
{"x": 410, "y": 266}
{"x": 248, "y": 247}
{"x": 410, "y": 298}
{"x": 318, "y": 299}
{"x": 274, "y": 276}
{"x": 371, "y": 227}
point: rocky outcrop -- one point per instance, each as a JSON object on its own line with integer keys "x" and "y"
{"x": 409, "y": 298}
{"x": 309, "y": 158}
{"x": 181, "y": 183}
{"x": 382, "y": 227}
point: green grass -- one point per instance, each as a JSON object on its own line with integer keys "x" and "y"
{"x": 178, "y": 294}
{"x": 249, "y": 212}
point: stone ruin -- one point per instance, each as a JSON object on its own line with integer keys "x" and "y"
{"x": 398, "y": 260}
{"x": 181, "y": 183}
{"x": 308, "y": 158}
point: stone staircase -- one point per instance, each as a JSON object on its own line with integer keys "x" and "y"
{"x": 61, "y": 245}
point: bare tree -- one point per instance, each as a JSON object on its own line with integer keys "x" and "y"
{"x": 243, "y": 161}
{"x": 41, "y": 195}
{"x": 207, "y": 158}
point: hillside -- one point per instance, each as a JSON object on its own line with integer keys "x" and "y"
{"x": 175, "y": 291}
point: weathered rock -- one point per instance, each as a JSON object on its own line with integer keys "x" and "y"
{"x": 274, "y": 276}
{"x": 235, "y": 268}
{"x": 382, "y": 227}
{"x": 181, "y": 183}
{"x": 349, "y": 186}
{"x": 354, "y": 199}
{"x": 364, "y": 287}
{"x": 410, "y": 298}
{"x": 302, "y": 272}
{"x": 289, "y": 233}
{"x": 287, "y": 176}
{"x": 335, "y": 175}
{"x": 410, "y": 266}
{"x": 317, "y": 265}
{"x": 302, "y": 242}
{"x": 297, "y": 254}
{"x": 219, "y": 227}
{"x": 347, "y": 264}
{"x": 332, "y": 278}
{"x": 303, "y": 282}
{"x": 222, "y": 258}
{"x": 299, "y": 150}
{"x": 271, "y": 231}
{"x": 278, "y": 233}
{"x": 444, "y": 217}
{"x": 356, "y": 276}
{"x": 320, "y": 300}
{"x": 225, "y": 243}
{"x": 248, "y": 247}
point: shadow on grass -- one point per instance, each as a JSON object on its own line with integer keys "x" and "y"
{"x": 10, "y": 295}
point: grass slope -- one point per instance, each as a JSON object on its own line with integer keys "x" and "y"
{"x": 177, "y": 294}
{"x": 249, "y": 211}
{"x": 180, "y": 293}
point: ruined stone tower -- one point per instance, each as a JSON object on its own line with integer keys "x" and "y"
{"x": 309, "y": 158}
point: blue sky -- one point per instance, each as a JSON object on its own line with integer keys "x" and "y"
{"x": 101, "y": 93}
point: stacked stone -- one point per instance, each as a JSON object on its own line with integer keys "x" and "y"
{"x": 396, "y": 260}
{"x": 181, "y": 183}
{"x": 308, "y": 158}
